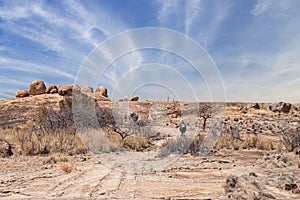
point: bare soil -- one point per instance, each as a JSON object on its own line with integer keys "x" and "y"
{"x": 183, "y": 177}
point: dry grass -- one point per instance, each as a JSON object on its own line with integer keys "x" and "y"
{"x": 136, "y": 143}
{"x": 97, "y": 140}
{"x": 260, "y": 142}
{"x": 26, "y": 142}
{"x": 106, "y": 140}
{"x": 66, "y": 167}
{"x": 178, "y": 145}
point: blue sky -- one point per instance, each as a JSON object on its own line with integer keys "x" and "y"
{"x": 254, "y": 44}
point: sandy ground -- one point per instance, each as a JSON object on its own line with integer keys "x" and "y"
{"x": 141, "y": 176}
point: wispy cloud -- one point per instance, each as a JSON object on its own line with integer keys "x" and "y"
{"x": 255, "y": 44}
{"x": 193, "y": 7}
{"x": 167, "y": 7}
{"x": 25, "y": 66}
{"x": 69, "y": 35}
{"x": 261, "y": 7}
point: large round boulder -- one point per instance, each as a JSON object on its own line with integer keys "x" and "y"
{"x": 22, "y": 93}
{"x": 65, "y": 90}
{"x": 51, "y": 89}
{"x": 101, "y": 91}
{"x": 37, "y": 87}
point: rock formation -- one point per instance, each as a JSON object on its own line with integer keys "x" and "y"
{"x": 87, "y": 89}
{"x": 5, "y": 149}
{"x": 101, "y": 91}
{"x": 22, "y": 93}
{"x": 37, "y": 87}
{"x": 51, "y": 89}
{"x": 281, "y": 107}
{"x": 65, "y": 90}
{"x": 128, "y": 98}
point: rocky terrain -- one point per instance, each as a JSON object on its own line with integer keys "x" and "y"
{"x": 72, "y": 142}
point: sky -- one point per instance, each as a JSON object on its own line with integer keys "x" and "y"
{"x": 248, "y": 50}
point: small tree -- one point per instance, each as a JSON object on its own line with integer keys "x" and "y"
{"x": 207, "y": 111}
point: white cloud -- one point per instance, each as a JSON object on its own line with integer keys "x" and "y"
{"x": 261, "y": 7}
{"x": 193, "y": 7}
{"x": 12, "y": 81}
{"x": 273, "y": 8}
{"x": 25, "y": 66}
{"x": 65, "y": 33}
{"x": 167, "y": 7}
{"x": 14, "y": 13}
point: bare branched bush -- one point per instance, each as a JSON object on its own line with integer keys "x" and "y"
{"x": 291, "y": 140}
{"x": 195, "y": 146}
{"x": 178, "y": 145}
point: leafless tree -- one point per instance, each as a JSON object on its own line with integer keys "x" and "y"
{"x": 207, "y": 111}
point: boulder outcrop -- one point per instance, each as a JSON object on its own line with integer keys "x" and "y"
{"x": 101, "y": 91}
{"x": 37, "y": 87}
{"x": 65, "y": 90}
{"x": 51, "y": 89}
{"x": 22, "y": 93}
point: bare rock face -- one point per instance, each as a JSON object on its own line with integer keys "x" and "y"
{"x": 87, "y": 89}
{"x": 51, "y": 89}
{"x": 37, "y": 87}
{"x": 101, "y": 91}
{"x": 65, "y": 90}
{"x": 22, "y": 93}
{"x": 5, "y": 149}
{"x": 134, "y": 98}
{"x": 280, "y": 107}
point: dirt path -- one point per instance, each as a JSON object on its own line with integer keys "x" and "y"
{"x": 138, "y": 176}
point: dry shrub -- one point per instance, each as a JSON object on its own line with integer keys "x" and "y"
{"x": 66, "y": 167}
{"x": 250, "y": 142}
{"x": 178, "y": 145}
{"x": 26, "y": 142}
{"x": 291, "y": 140}
{"x": 226, "y": 141}
{"x": 196, "y": 144}
{"x": 136, "y": 143}
{"x": 97, "y": 140}
{"x": 265, "y": 143}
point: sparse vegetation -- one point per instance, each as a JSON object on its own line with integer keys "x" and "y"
{"x": 226, "y": 141}
{"x": 66, "y": 167}
{"x": 178, "y": 145}
{"x": 291, "y": 140}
